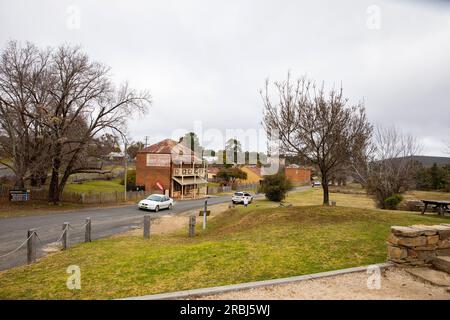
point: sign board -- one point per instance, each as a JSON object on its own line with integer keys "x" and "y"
{"x": 158, "y": 160}
{"x": 200, "y": 213}
{"x": 19, "y": 195}
{"x": 159, "y": 185}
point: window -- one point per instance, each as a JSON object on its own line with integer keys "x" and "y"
{"x": 154, "y": 197}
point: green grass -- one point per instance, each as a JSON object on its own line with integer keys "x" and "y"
{"x": 33, "y": 207}
{"x": 240, "y": 245}
{"x": 314, "y": 196}
{"x": 95, "y": 186}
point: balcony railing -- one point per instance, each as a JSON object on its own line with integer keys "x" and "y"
{"x": 179, "y": 172}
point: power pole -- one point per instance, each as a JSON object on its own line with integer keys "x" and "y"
{"x": 126, "y": 170}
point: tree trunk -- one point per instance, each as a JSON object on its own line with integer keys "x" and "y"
{"x": 326, "y": 194}
{"x": 20, "y": 182}
{"x": 53, "y": 191}
{"x": 33, "y": 181}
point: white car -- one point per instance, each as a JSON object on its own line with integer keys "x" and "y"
{"x": 156, "y": 202}
{"x": 316, "y": 184}
{"x": 238, "y": 197}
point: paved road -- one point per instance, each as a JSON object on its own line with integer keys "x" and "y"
{"x": 105, "y": 222}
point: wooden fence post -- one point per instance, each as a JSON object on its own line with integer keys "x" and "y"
{"x": 31, "y": 246}
{"x": 65, "y": 237}
{"x": 147, "y": 226}
{"x": 204, "y": 214}
{"x": 87, "y": 233}
{"x": 192, "y": 220}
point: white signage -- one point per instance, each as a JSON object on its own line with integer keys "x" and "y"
{"x": 158, "y": 160}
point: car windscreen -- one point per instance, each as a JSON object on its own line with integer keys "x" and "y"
{"x": 154, "y": 198}
{"x": 238, "y": 194}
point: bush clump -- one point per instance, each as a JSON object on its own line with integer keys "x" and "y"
{"x": 276, "y": 186}
{"x": 131, "y": 178}
{"x": 393, "y": 201}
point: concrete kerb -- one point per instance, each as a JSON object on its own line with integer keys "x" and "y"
{"x": 251, "y": 285}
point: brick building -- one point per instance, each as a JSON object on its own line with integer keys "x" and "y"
{"x": 171, "y": 168}
{"x": 297, "y": 174}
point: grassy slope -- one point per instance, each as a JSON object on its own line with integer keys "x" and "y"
{"x": 35, "y": 207}
{"x": 241, "y": 245}
{"x": 95, "y": 186}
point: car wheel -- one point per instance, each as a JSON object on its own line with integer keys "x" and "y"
{"x": 170, "y": 206}
{"x": 156, "y": 208}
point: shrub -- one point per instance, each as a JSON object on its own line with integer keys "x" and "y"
{"x": 131, "y": 178}
{"x": 276, "y": 186}
{"x": 229, "y": 175}
{"x": 393, "y": 201}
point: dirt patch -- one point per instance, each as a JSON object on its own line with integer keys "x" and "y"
{"x": 168, "y": 223}
{"x": 396, "y": 284}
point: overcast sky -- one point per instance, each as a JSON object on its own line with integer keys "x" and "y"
{"x": 206, "y": 60}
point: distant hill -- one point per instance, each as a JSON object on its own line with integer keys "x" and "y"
{"x": 428, "y": 161}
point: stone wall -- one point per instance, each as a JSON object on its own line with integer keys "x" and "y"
{"x": 418, "y": 244}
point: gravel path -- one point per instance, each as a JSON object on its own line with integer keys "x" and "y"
{"x": 395, "y": 284}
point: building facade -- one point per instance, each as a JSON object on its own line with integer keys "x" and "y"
{"x": 297, "y": 174}
{"x": 170, "y": 168}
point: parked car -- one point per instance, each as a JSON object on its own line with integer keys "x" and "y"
{"x": 238, "y": 197}
{"x": 316, "y": 184}
{"x": 156, "y": 202}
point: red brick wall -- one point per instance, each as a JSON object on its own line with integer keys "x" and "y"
{"x": 148, "y": 176}
{"x": 298, "y": 175}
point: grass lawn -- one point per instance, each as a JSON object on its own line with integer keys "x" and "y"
{"x": 95, "y": 186}
{"x": 35, "y": 207}
{"x": 314, "y": 196}
{"x": 356, "y": 197}
{"x": 240, "y": 245}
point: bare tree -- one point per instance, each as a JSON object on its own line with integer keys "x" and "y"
{"x": 63, "y": 98}
{"x": 315, "y": 125}
{"x": 23, "y": 77}
{"x": 85, "y": 103}
{"x": 388, "y": 167}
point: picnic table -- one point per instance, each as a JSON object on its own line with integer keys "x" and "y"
{"x": 441, "y": 206}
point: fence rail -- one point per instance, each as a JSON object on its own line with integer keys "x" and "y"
{"x": 247, "y": 187}
{"x": 92, "y": 198}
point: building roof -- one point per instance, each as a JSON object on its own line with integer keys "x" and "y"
{"x": 180, "y": 153}
{"x": 164, "y": 146}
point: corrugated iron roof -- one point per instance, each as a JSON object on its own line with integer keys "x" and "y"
{"x": 179, "y": 152}
{"x": 164, "y": 146}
